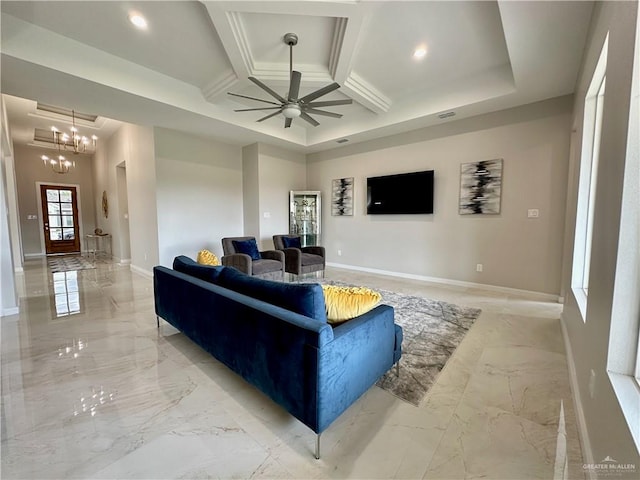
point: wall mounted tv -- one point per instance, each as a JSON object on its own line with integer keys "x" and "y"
{"x": 405, "y": 193}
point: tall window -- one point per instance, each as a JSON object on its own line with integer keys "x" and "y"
{"x": 623, "y": 363}
{"x": 591, "y": 133}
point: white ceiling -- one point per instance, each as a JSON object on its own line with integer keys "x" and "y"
{"x": 482, "y": 56}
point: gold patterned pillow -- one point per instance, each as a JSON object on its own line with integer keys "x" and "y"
{"x": 345, "y": 303}
{"x": 205, "y": 257}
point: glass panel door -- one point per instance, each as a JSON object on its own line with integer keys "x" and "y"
{"x": 60, "y": 215}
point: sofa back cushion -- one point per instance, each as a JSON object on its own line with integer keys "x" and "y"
{"x": 305, "y": 299}
{"x": 208, "y": 273}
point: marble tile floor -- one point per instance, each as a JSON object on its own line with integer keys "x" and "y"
{"x": 102, "y": 393}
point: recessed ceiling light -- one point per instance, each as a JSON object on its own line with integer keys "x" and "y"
{"x": 420, "y": 52}
{"x": 138, "y": 20}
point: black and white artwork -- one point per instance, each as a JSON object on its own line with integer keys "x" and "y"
{"x": 480, "y": 187}
{"x": 342, "y": 197}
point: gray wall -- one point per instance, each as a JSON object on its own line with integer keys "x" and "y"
{"x": 8, "y": 292}
{"x": 30, "y": 170}
{"x": 133, "y": 146}
{"x": 516, "y": 252}
{"x": 199, "y": 194}
{"x": 604, "y": 427}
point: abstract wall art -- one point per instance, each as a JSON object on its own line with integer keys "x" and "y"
{"x": 342, "y": 196}
{"x": 480, "y": 187}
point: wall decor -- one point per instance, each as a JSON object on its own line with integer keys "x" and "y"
{"x": 342, "y": 197}
{"x": 105, "y": 204}
{"x": 480, "y": 187}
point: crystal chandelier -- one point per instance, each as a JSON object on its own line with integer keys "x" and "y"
{"x": 60, "y": 164}
{"x": 72, "y": 141}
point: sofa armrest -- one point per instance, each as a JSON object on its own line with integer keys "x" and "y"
{"x": 293, "y": 259}
{"x": 362, "y": 350}
{"x": 314, "y": 250}
{"x": 240, "y": 261}
{"x": 273, "y": 255}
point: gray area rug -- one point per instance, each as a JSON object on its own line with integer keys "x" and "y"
{"x": 67, "y": 263}
{"x": 432, "y": 331}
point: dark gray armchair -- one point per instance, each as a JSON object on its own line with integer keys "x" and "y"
{"x": 299, "y": 261}
{"x": 270, "y": 265}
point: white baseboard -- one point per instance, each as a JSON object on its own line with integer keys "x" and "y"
{"x": 585, "y": 443}
{"x": 18, "y": 270}
{"x": 124, "y": 261}
{"x": 6, "y": 312}
{"x": 546, "y": 297}
{"x": 141, "y": 271}
{"x": 34, "y": 255}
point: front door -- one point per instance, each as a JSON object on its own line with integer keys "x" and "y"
{"x": 60, "y": 215}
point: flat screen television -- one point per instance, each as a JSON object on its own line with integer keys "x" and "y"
{"x": 405, "y": 193}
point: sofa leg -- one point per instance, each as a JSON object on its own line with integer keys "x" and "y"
{"x": 398, "y": 368}
{"x": 317, "y": 454}
{"x": 157, "y": 321}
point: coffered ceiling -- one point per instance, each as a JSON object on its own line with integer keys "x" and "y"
{"x": 481, "y": 56}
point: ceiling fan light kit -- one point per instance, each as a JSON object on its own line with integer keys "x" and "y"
{"x": 293, "y": 107}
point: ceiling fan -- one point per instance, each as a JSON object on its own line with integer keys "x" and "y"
{"x": 292, "y": 106}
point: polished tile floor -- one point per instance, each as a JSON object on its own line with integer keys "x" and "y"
{"x": 92, "y": 389}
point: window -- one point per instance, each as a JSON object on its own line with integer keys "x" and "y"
{"x": 623, "y": 363}
{"x": 591, "y": 132}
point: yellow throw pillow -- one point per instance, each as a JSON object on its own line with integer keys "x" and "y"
{"x": 345, "y": 303}
{"x": 205, "y": 257}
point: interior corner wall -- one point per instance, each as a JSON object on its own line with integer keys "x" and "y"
{"x": 29, "y": 171}
{"x": 8, "y": 292}
{"x": 141, "y": 193}
{"x": 250, "y": 191}
{"x": 604, "y": 424}
{"x": 280, "y": 172}
{"x": 199, "y": 194}
{"x": 516, "y": 251}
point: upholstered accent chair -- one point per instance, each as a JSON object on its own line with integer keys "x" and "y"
{"x": 242, "y": 253}
{"x": 300, "y": 260}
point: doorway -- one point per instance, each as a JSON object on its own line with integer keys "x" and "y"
{"x": 60, "y": 219}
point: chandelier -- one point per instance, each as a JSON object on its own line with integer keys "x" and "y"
{"x": 60, "y": 164}
{"x": 71, "y": 141}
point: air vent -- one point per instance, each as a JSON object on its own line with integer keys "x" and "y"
{"x": 446, "y": 114}
{"x": 342, "y": 140}
{"x": 41, "y": 135}
{"x": 66, "y": 112}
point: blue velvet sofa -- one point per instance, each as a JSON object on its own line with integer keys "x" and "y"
{"x": 275, "y": 335}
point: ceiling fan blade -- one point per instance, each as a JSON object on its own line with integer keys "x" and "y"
{"x": 309, "y": 119}
{"x": 330, "y": 103}
{"x": 253, "y": 98}
{"x": 254, "y": 109}
{"x": 269, "y": 116}
{"x": 294, "y": 88}
{"x": 320, "y": 93}
{"x": 322, "y": 112}
{"x": 287, "y": 122}
{"x": 267, "y": 89}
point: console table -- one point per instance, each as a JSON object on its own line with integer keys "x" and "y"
{"x": 97, "y": 244}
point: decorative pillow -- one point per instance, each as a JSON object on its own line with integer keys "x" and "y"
{"x": 291, "y": 242}
{"x": 207, "y": 273}
{"x": 250, "y": 247}
{"x": 345, "y": 303}
{"x": 205, "y": 257}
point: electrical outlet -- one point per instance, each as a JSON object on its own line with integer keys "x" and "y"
{"x": 533, "y": 213}
{"x": 479, "y": 267}
{"x": 339, "y": 253}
